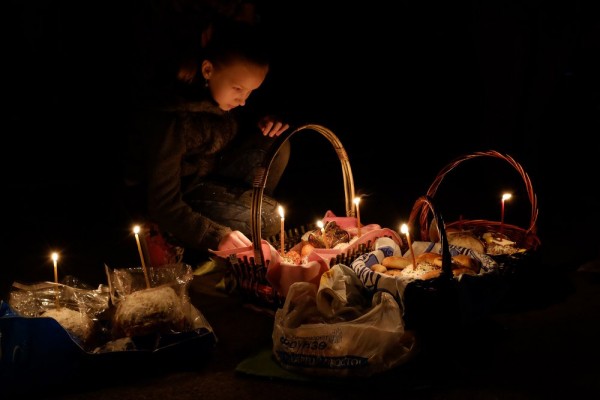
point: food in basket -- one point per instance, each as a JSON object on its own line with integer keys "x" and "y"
{"x": 74, "y": 321}
{"x": 379, "y": 268}
{"x": 466, "y": 239}
{"x": 292, "y": 257}
{"x": 429, "y": 265}
{"x": 330, "y": 237}
{"x": 463, "y": 264}
{"x": 484, "y": 241}
{"x": 497, "y": 243}
{"x": 147, "y": 311}
{"x": 396, "y": 262}
{"x": 307, "y": 248}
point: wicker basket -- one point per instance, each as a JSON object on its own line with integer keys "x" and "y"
{"x": 449, "y": 302}
{"x": 484, "y": 294}
{"x": 250, "y": 273}
{"x": 525, "y": 237}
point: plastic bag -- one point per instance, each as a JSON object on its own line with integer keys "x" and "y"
{"x": 339, "y": 329}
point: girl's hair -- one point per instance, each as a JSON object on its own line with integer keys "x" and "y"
{"x": 234, "y": 41}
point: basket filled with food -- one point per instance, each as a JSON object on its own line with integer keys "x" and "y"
{"x": 511, "y": 245}
{"x": 437, "y": 283}
{"x": 264, "y": 271}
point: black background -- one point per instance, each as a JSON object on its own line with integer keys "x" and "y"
{"x": 407, "y": 87}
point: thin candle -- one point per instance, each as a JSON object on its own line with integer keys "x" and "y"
{"x": 404, "y": 229}
{"x": 505, "y": 197}
{"x": 282, "y": 234}
{"x": 136, "y": 231}
{"x": 55, "y": 260}
{"x": 356, "y": 202}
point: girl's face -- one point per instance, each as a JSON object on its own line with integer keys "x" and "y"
{"x": 231, "y": 85}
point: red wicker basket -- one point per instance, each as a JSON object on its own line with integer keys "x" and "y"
{"x": 525, "y": 237}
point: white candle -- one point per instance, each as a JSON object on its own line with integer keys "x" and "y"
{"x": 282, "y": 234}
{"x": 356, "y": 202}
{"x": 136, "y": 231}
{"x": 55, "y": 260}
{"x": 404, "y": 229}
{"x": 505, "y": 197}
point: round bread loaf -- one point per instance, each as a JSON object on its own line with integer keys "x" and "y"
{"x": 379, "y": 268}
{"x": 466, "y": 240}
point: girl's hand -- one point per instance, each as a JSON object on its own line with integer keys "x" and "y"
{"x": 234, "y": 240}
{"x": 271, "y": 127}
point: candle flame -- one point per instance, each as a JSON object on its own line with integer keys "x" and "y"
{"x": 136, "y": 229}
{"x": 404, "y": 229}
{"x": 54, "y": 257}
{"x": 506, "y": 196}
{"x": 281, "y": 211}
{"x": 356, "y": 200}
{"x": 320, "y": 224}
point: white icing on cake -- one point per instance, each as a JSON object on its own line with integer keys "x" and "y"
{"x": 417, "y": 273}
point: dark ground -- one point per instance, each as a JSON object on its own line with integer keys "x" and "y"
{"x": 444, "y": 81}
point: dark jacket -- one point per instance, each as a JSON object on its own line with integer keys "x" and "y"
{"x": 173, "y": 148}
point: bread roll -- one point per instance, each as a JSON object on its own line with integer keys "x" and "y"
{"x": 396, "y": 262}
{"x": 393, "y": 272}
{"x": 459, "y": 261}
{"x": 464, "y": 261}
{"x": 434, "y": 273}
{"x": 460, "y": 271}
{"x": 306, "y": 249}
{"x": 430, "y": 258}
{"x": 378, "y": 268}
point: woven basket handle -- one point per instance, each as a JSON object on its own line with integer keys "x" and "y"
{"x": 426, "y": 203}
{"x": 490, "y": 153}
{"x": 262, "y": 172}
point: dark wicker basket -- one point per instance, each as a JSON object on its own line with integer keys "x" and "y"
{"x": 450, "y": 303}
{"x": 479, "y": 295}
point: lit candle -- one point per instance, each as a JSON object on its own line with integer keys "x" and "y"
{"x": 356, "y": 201}
{"x": 505, "y": 197}
{"x": 322, "y": 227}
{"x": 404, "y": 229}
{"x": 282, "y": 234}
{"x": 55, "y": 260}
{"x": 136, "y": 231}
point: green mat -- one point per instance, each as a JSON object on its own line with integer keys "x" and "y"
{"x": 263, "y": 364}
